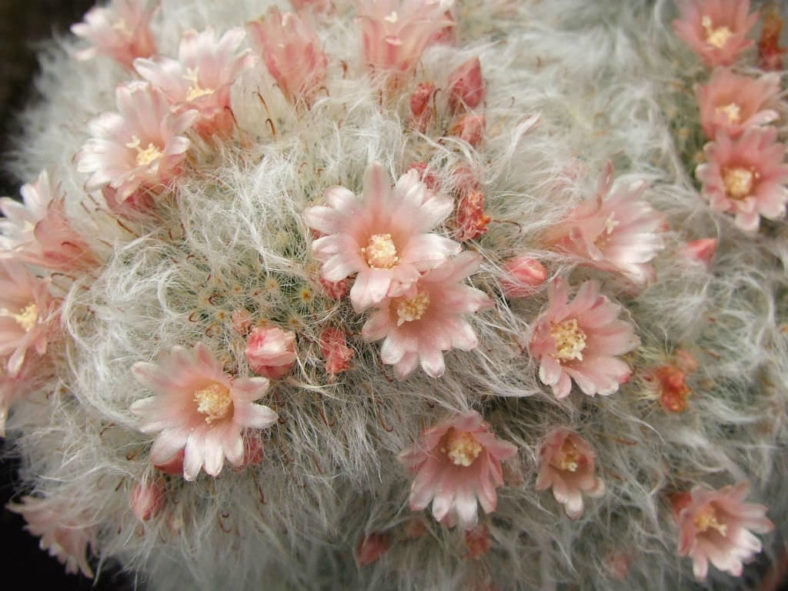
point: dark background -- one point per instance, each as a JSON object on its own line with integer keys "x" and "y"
{"x": 23, "y": 23}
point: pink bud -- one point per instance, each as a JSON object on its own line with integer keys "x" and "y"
{"x": 241, "y": 321}
{"x": 700, "y": 251}
{"x": 469, "y": 127}
{"x": 334, "y": 289}
{"x": 523, "y": 274}
{"x": 371, "y": 547}
{"x": 148, "y": 498}
{"x": 420, "y": 110}
{"x": 334, "y": 348}
{"x": 173, "y": 466}
{"x": 466, "y": 86}
{"x": 472, "y": 222}
{"x": 685, "y": 361}
{"x": 478, "y": 541}
{"x": 425, "y": 176}
{"x": 270, "y": 351}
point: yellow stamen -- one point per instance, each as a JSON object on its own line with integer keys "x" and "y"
{"x": 739, "y": 182}
{"x": 195, "y": 90}
{"x": 732, "y": 111}
{"x": 718, "y": 37}
{"x": 146, "y": 156}
{"x": 707, "y": 519}
{"x": 569, "y": 339}
{"x": 27, "y": 319}
{"x": 569, "y": 458}
{"x": 380, "y": 252}
{"x": 413, "y": 308}
{"x": 214, "y": 401}
{"x": 461, "y": 447}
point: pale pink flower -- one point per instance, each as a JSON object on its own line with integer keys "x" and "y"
{"x": 522, "y": 275}
{"x": 148, "y": 498}
{"x": 39, "y": 232}
{"x": 270, "y": 351}
{"x": 292, "y": 53}
{"x": 420, "y": 325}
{"x": 371, "y": 547}
{"x": 716, "y": 30}
{"x": 198, "y": 409}
{"x": 63, "y": 534}
{"x": 580, "y": 340}
{"x": 29, "y": 315}
{"x": 620, "y": 233}
{"x": 335, "y": 351}
{"x": 382, "y": 236}
{"x": 715, "y": 526}
{"x": 731, "y": 103}
{"x": 201, "y": 77}
{"x": 700, "y": 251}
{"x": 396, "y": 32}
{"x": 121, "y": 31}
{"x": 466, "y": 86}
{"x": 457, "y": 462}
{"x": 746, "y": 177}
{"x": 567, "y": 465}
{"x": 140, "y": 147}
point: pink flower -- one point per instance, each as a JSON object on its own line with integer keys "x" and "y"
{"x": 522, "y": 275}
{"x": 396, "y": 32}
{"x": 270, "y": 351}
{"x": 65, "y": 535}
{"x": 292, "y": 53}
{"x": 700, "y": 251}
{"x": 39, "y": 232}
{"x": 121, "y": 31}
{"x": 198, "y": 409}
{"x": 716, "y": 30}
{"x": 418, "y": 326}
{"x": 382, "y": 236}
{"x": 148, "y": 498}
{"x": 732, "y": 103}
{"x": 201, "y": 77}
{"x": 140, "y": 147}
{"x": 335, "y": 351}
{"x": 466, "y": 86}
{"x": 319, "y": 6}
{"x": 566, "y": 464}
{"x": 29, "y": 315}
{"x": 618, "y": 233}
{"x": 580, "y": 341}
{"x": 371, "y": 547}
{"x": 715, "y": 526}
{"x": 746, "y": 177}
{"x": 457, "y": 462}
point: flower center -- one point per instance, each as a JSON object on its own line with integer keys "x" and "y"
{"x": 214, "y": 401}
{"x": 569, "y": 458}
{"x": 732, "y": 111}
{"x": 738, "y": 182}
{"x": 27, "y": 318}
{"x": 707, "y": 519}
{"x": 380, "y": 252}
{"x": 146, "y": 156}
{"x": 461, "y": 447}
{"x": 413, "y": 308}
{"x": 717, "y": 37}
{"x": 569, "y": 339}
{"x": 195, "y": 90}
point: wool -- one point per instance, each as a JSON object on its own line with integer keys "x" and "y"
{"x": 570, "y": 86}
